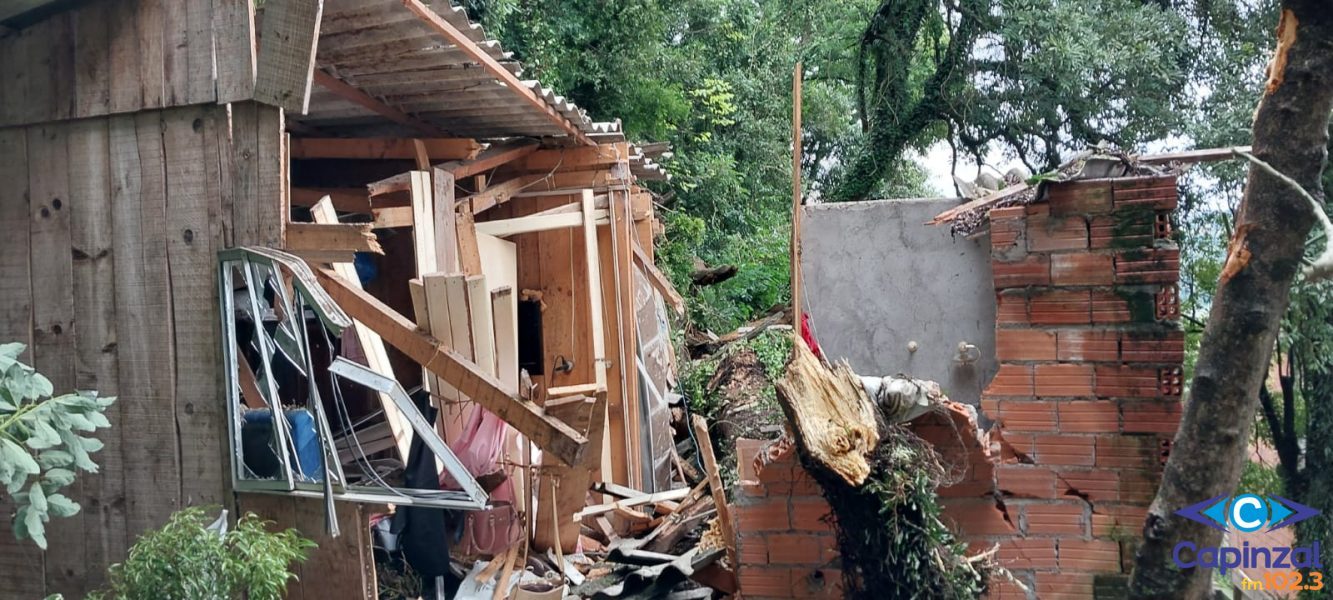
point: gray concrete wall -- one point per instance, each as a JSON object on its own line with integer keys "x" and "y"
{"x": 877, "y": 279}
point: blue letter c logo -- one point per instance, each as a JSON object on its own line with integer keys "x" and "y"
{"x": 1248, "y": 513}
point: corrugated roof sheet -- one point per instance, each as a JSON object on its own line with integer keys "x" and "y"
{"x": 387, "y": 51}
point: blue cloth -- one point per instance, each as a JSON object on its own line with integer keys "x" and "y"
{"x": 305, "y": 438}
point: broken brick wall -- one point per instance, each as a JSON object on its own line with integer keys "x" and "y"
{"x": 1084, "y": 405}
{"x": 1087, "y": 397}
{"x": 785, "y": 547}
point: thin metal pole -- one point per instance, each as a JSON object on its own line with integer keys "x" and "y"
{"x": 796, "y": 201}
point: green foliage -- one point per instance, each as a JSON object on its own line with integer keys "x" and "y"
{"x": 772, "y": 347}
{"x": 185, "y": 560}
{"x": 1261, "y": 479}
{"x": 1036, "y": 78}
{"x": 890, "y": 527}
{"x": 713, "y": 78}
{"x": 41, "y": 448}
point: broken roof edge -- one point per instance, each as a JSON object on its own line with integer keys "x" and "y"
{"x": 1136, "y": 165}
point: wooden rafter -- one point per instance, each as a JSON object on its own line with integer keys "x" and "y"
{"x": 597, "y": 157}
{"x": 385, "y": 148}
{"x": 463, "y": 43}
{"x": 345, "y": 91}
{"x": 549, "y": 433}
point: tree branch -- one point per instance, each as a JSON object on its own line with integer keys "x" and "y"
{"x": 1322, "y": 267}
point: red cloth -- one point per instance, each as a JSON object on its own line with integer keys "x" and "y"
{"x": 809, "y": 336}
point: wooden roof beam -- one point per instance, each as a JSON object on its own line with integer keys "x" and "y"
{"x": 461, "y": 41}
{"x": 385, "y": 148}
{"x": 351, "y": 94}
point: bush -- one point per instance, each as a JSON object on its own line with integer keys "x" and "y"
{"x": 187, "y": 559}
{"x": 40, "y": 445}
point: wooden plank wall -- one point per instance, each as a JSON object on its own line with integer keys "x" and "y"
{"x": 120, "y": 56}
{"x": 109, "y": 229}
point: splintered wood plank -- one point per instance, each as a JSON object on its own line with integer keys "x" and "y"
{"x": 423, "y": 223}
{"x": 234, "y": 22}
{"x": 92, "y": 77}
{"x": 548, "y": 433}
{"x": 371, "y": 343}
{"x": 54, "y": 353}
{"x": 446, "y": 225}
{"x": 469, "y": 258}
{"x": 144, "y": 331}
{"x": 483, "y": 324}
{"x": 341, "y": 237}
{"x": 287, "y": 53}
{"x": 125, "y": 81}
{"x": 95, "y": 315}
{"x": 191, "y": 256}
{"x": 701, "y": 437}
{"x": 151, "y": 29}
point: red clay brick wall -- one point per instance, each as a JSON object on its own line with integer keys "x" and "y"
{"x": 785, "y": 548}
{"x": 1088, "y": 392}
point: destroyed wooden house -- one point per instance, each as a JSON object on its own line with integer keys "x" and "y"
{"x": 309, "y": 229}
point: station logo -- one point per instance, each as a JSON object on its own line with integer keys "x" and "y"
{"x": 1248, "y": 513}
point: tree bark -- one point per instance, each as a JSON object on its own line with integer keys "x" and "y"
{"x": 1291, "y": 134}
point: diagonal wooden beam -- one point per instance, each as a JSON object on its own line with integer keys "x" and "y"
{"x": 496, "y": 156}
{"x": 461, "y": 41}
{"x": 659, "y": 280}
{"x": 351, "y": 94}
{"x": 549, "y": 433}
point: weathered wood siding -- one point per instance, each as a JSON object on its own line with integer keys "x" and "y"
{"x": 121, "y": 56}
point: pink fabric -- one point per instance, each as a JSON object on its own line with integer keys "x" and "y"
{"x": 479, "y": 449}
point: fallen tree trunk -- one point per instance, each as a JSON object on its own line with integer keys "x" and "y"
{"x": 707, "y": 276}
{"x": 879, "y": 479}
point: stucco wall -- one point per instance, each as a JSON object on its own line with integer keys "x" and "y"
{"x": 876, "y": 278}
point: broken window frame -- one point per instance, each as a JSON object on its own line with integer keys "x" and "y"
{"x": 259, "y": 267}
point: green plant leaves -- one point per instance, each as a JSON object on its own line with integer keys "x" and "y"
{"x": 40, "y": 445}
{"x": 185, "y": 559}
